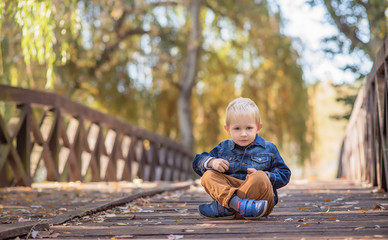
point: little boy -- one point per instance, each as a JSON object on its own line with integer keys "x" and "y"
{"x": 241, "y": 174}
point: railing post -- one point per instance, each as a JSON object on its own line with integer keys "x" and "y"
{"x": 23, "y": 140}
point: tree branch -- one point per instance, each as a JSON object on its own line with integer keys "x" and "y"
{"x": 109, "y": 50}
{"x": 346, "y": 29}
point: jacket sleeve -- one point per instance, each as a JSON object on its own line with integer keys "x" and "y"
{"x": 279, "y": 174}
{"x": 200, "y": 159}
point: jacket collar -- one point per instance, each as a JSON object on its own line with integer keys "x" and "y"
{"x": 259, "y": 141}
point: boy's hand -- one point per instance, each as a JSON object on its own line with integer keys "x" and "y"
{"x": 219, "y": 164}
{"x": 251, "y": 170}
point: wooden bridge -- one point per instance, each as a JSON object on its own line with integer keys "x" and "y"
{"x": 48, "y": 135}
{"x": 72, "y": 142}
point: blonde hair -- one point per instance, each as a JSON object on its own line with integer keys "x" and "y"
{"x": 242, "y": 106}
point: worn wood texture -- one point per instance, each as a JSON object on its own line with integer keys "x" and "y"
{"x": 364, "y": 155}
{"x": 309, "y": 210}
{"x": 22, "y": 211}
{"x": 75, "y": 143}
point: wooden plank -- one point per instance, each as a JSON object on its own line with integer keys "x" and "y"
{"x": 98, "y": 207}
{"x": 7, "y": 231}
{"x": 385, "y": 124}
{"x": 386, "y": 47}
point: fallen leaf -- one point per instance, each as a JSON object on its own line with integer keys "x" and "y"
{"x": 182, "y": 205}
{"x": 34, "y": 234}
{"x": 206, "y": 225}
{"x": 302, "y": 208}
{"x": 379, "y": 207}
{"x": 305, "y": 224}
{"x": 123, "y": 236}
{"x": 171, "y": 236}
{"x": 358, "y": 228}
{"x": 122, "y": 224}
{"x": 36, "y": 206}
{"x": 62, "y": 210}
{"x": 24, "y": 220}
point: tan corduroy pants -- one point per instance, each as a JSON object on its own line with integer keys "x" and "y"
{"x": 221, "y": 187}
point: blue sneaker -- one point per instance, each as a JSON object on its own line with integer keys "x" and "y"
{"x": 216, "y": 210}
{"x": 252, "y": 209}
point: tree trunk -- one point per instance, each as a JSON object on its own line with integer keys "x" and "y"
{"x": 189, "y": 75}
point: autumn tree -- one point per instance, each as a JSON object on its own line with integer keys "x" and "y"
{"x": 162, "y": 65}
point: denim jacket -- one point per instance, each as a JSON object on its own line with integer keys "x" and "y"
{"x": 261, "y": 155}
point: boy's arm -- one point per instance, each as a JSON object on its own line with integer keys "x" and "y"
{"x": 201, "y": 160}
{"x": 279, "y": 174}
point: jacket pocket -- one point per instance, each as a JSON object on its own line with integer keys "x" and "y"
{"x": 260, "y": 162}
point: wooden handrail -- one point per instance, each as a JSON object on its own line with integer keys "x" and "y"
{"x": 72, "y": 142}
{"x": 365, "y": 148}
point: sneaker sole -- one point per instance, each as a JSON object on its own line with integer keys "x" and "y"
{"x": 258, "y": 217}
{"x": 226, "y": 217}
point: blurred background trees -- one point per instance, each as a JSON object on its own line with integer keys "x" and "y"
{"x": 168, "y": 66}
{"x": 362, "y": 27}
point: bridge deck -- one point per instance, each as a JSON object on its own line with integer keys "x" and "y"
{"x": 336, "y": 209}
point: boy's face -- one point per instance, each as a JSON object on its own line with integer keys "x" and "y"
{"x": 243, "y": 129}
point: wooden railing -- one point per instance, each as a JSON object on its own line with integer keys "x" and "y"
{"x": 49, "y": 137}
{"x": 364, "y": 151}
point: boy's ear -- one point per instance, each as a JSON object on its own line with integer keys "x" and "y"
{"x": 227, "y": 129}
{"x": 259, "y": 127}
